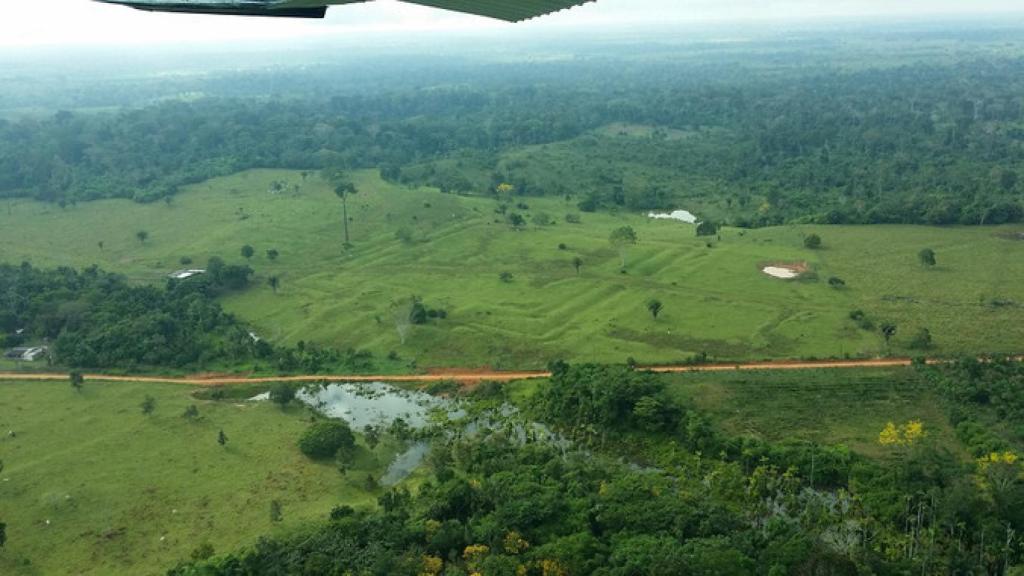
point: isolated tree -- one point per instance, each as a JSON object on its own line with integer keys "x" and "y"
{"x": 707, "y": 228}
{"x": 577, "y": 263}
{"x": 282, "y": 394}
{"x": 100, "y": 244}
{"x": 888, "y": 331}
{"x": 77, "y": 379}
{"x": 812, "y": 241}
{"x": 654, "y": 306}
{"x": 222, "y": 438}
{"x": 926, "y": 257}
{"x": 622, "y": 239}
{"x": 148, "y": 405}
{"x": 191, "y": 413}
{"x": 516, "y": 221}
{"x": 343, "y": 191}
{"x": 274, "y": 282}
{"x": 142, "y": 235}
{"x": 276, "y": 514}
{"x": 247, "y": 251}
{"x": 323, "y": 439}
{"x": 922, "y": 340}
{"x": 3, "y": 534}
{"x": 272, "y": 254}
{"x": 505, "y": 189}
{"x": 343, "y": 188}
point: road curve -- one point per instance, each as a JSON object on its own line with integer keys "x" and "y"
{"x": 471, "y": 377}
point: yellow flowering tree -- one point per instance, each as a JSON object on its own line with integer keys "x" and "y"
{"x": 474, "y": 555}
{"x": 515, "y": 543}
{"x": 909, "y": 434}
{"x": 432, "y": 566}
{"x": 998, "y": 472}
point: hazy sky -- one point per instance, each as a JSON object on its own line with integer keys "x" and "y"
{"x": 70, "y": 22}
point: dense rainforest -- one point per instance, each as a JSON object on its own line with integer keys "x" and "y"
{"x": 933, "y": 142}
{"x": 638, "y": 483}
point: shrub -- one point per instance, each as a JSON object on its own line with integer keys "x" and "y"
{"x": 707, "y": 228}
{"x": 282, "y": 394}
{"x": 812, "y": 241}
{"x": 922, "y": 340}
{"x": 325, "y": 438}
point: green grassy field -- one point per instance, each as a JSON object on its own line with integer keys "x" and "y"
{"x": 848, "y": 407}
{"x": 90, "y": 485}
{"x": 716, "y": 298}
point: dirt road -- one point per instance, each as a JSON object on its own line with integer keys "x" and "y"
{"x": 469, "y": 376}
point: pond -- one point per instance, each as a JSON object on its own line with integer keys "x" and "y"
{"x": 379, "y": 404}
{"x": 375, "y": 404}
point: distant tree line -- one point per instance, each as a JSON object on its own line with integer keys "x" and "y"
{"x": 935, "y": 143}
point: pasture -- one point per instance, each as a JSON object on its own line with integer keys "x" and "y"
{"x": 453, "y": 253}
{"x": 848, "y": 407}
{"x": 91, "y": 485}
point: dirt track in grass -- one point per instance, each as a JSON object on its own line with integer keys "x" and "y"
{"x": 464, "y": 376}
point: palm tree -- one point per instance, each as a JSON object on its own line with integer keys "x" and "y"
{"x": 274, "y": 282}
{"x": 342, "y": 190}
{"x": 142, "y": 235}
{"x": 577, "y": 263}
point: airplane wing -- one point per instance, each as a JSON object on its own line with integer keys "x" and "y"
{"x": 508, "y": 10}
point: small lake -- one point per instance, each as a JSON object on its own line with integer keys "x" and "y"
{"x": 374, "y": 404}
{"x": 379, "y": 404}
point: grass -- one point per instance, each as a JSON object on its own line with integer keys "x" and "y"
{"x": 90, "y": 485}
{"x": 848, "y": 407}
{"x": 829, "y": 407}
{"x": 716, "y": 299}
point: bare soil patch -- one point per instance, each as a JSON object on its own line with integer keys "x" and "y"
{"x": 784, "y": 270}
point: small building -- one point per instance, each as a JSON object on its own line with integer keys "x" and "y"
{"x": 27, "y": 354}
{"x": 185, "y": 274}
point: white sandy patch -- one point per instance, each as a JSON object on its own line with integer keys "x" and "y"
{"x": 680, "y": 215}
{"x": 777, "y": 272}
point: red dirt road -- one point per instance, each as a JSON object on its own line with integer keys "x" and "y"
{"x": 470, "y": 376}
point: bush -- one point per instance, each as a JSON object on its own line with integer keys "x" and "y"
{"x": 922, "y": 340}
{"x": 812, "y": 241}
{"x": 707, "y": 228}
{"x": 282, "y": 394}
{"x": 326, "y": 438}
